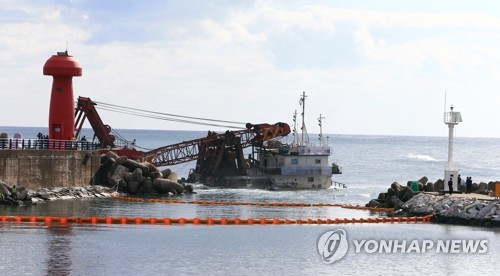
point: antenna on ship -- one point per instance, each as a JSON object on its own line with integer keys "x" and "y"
{"x": 321, "y": 138}
{"x": 302, "y": 102}
{"x": 295, "y": 142}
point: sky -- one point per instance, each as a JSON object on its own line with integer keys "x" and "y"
{"x": 368, "y": 67}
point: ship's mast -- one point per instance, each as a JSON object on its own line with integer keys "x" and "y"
{"x": 321, "y": 138}
{"x": 295, "y": 142}
{"x": 303, "y": 128}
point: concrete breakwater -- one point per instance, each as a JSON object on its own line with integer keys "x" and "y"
{"x": 123, "y": 174}
{"x": 23, "y": 196}
{"x": 398, "y": 194}
{"x": 420, "y": 198}
{"x": 456, "y": 210}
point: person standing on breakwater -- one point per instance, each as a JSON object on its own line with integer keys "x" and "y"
{"x": 459, "y": 181}
{"x": 13, "y": 192}
{"x": 450, "y": 185}
{"x": 468, "y": 184}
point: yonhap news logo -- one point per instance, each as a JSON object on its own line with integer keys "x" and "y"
{"x": 333, "y": 246}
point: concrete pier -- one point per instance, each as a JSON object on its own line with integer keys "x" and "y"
{"x": 36, "y": 169}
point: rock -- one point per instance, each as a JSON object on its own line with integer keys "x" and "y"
{"x": 102, "y": 174}
{"x": 4, "y": 189}
{"x": 474, "y": 187}
{"x": 462, "y": 188}
{"x": 121, "y": 160}
{"x": 188, "y": 189}
{"x": 164, "y": 186}
{"x": 166, "y": 173}
{"x": 151, "y": 167}
{"x": 484, "y": 211}
{"x": 374, "y": 204}
{"x": 405, "y": 194}
{"x": 147, "y": 187}
{"x": 172, "y": 177}
{"x": 22, "y": 193}
{"x": 482, "y": 187}
{"x": 420, "y": 186}
{"x": 429, "y": 187}
{"x": 382, "y": 196}
{"x": 133, "y": 165}
{"x": 423, "y": 180}
{"x": 439, "y": 185}
{"x": 112, "y": 154}
{"x": 396, "y": 202}
{"x": 154, "y": 175}
{"x": 396, "y": 186}
{"x": 134, "y": 182}
{"x": 116, "y": 176}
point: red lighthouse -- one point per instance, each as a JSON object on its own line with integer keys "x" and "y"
{"x": 63, "y": 68}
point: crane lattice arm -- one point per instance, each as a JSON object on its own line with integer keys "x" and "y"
{"x": 199, "y": 148}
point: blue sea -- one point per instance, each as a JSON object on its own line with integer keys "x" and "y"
{"x": 370, "y": 164}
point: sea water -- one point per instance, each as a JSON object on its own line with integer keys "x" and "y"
{"x": 370, "y": 164}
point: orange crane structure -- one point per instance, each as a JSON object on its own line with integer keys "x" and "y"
{"x": 215, "y": 155}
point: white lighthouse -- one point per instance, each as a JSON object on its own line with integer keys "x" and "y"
{"x": 451, "y": 118}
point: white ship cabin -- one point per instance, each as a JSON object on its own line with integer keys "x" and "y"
{"x": 300, "y": 160}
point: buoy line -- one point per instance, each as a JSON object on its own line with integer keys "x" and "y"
{"x": 204, "y": 221}
{"x": 263, "y": 204}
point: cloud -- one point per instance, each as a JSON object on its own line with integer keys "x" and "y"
{"x": 251, "y": 63}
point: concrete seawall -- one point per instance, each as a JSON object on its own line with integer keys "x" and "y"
{"x": 36, "y": 169}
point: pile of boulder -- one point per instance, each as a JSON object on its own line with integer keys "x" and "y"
{"x": 23, "y": 196}
{"x": 438, "y": 186}
{"x": 398, "y": 194}
{"x": 11, "y": 195}
{"x": 460, "y": 210}
{"x": 126, "y": 175}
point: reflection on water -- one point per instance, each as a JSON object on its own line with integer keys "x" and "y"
{"x": 59, "y": 250}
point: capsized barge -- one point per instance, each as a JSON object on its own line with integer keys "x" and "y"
{"x": 271, "y": 163}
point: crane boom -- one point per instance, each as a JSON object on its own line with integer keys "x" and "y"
{"x": 198, "y": 149}
{"x": 204, "y": 147}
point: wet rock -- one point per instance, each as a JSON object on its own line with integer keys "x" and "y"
{"x": 188, "y": 189}
{"x": 164, "y": 186}
{"x": 396, "y": 202}
{"x": 374, "y": 204}
{"x": 147, "y": 187}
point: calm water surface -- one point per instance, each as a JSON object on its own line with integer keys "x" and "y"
{"x": 371, "y": 164}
